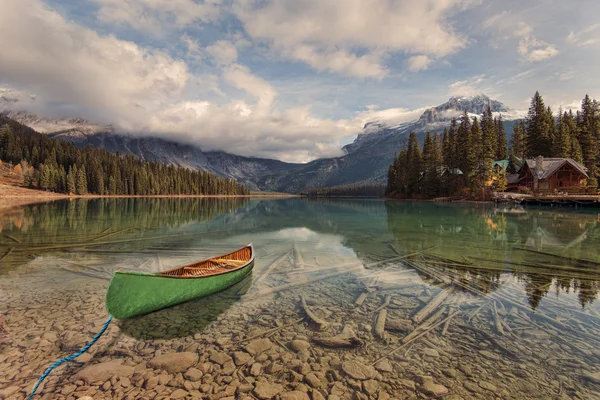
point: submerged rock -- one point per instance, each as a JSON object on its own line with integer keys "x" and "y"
{"x": 358, "y": 370}
{"x": 174, "y": 362}
{"x": 104, "y": 371}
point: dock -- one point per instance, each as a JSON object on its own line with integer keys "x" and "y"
{"x": 554, "y": 200}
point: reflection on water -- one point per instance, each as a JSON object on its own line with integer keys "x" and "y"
{"x": 426, "y": 288}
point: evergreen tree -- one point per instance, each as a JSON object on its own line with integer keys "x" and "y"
{"x": 464, "y": 145}
{"x": 517, "y": 142}
{"x": 81, "y": 182}
{"x": 432, "y": 159}
{"x": 413, "y": 165}
{"x": 501, "y": 144}
{"x": 537, "y": 133}
{"x": 589, "y": 136}
{"x": 561, "y": 146}
{"x": 71, "y": 178}
{"x": 489, "y": 140}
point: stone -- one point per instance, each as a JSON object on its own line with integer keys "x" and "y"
{"x": 431, "y": 352}
{"x": 240, "y": 358}
{"x": 104, "y": 371}
{"x": 592, "y": 377}
{"x": 255, "y": 369}
{"x": 174, "y": 362}
{"x": 193, "y": 374}
{"x": 316, "y": 395}
{"x": 358, "y": 370}
{"x": 7, "y": 392}
{"x": 68, "y": 389}
{"x": 431, "y": 388}
{"x": 179, "y": 394}
{"x": 466, "y": 369}
{"x": 299, "y": 345}
{"x": 370, "y": 387}
{"x": 294, "y": 395}
{"x": 471, "y": 387}
{"x": 384, "y": 366}
{"x": 450, "y": 372}
{"x": 487, "y": 386}
{"x": 407, "y": 383}
{"x": 266, "y": 390}
{"x": 313, "y": 380}
{"x": 489, "y": 355}
{"x": 258, "y": 346}
{"x": 124, "y": 381}
{"x": 220, "y": 357}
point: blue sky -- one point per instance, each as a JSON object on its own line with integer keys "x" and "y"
{"x": 289, "y": 79}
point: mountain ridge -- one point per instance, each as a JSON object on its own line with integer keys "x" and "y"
{"x": 365, "y": 160}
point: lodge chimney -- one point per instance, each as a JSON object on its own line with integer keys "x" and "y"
{"x": 539, "y": 164}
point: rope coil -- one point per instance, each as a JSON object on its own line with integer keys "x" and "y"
{"x": 69, "y": 358}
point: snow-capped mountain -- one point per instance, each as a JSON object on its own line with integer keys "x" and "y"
{"x": 366, "y": 159}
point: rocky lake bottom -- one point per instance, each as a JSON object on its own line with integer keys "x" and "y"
{"x": 313, "y": 321}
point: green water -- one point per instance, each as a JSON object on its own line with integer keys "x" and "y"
{"x": 525, "y": 280}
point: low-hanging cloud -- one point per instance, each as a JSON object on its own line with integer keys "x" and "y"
{"x": 76, "y": 72}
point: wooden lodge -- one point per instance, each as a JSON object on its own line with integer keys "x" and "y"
{"x": 548, "y": 175}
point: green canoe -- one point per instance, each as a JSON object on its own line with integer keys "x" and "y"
{"x": 135, "y": 293}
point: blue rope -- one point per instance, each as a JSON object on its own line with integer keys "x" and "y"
{"x": 69, "y": 358}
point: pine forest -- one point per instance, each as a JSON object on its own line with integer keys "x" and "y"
{"x": 57, "y": 166}
{"x": 460, "y": 161}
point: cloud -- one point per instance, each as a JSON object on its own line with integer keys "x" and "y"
{"x": 68, "y": 64}
{"x": 223, "y": 51}
{"x": 154, "y": 15}
{"x": 507, "y": 25}
{"x": 76, "y": 72}
{"x": 467, "y": 87}
{"x": 352, "y": 37}
{"x": 388, "y": 117}
{"x": 583, "y": 37}
{"x": 533, "y": 50}
{"x": 418, "y": 63}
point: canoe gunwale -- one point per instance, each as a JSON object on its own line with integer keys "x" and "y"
{"x": 160, "y": 274}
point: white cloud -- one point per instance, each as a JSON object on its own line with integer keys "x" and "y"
{"x": 194, "y": 52}
{"x": 223, "y": 51}
{"x": 139, "y": 90}
{"x": 507, "y": 25}
{"x": 388, "y": 117}
{"x": 352, "y": 37}
{"x": 66, "y": 63}
{"x": 419, "y": 63}
{"x": 583, "y": 37}
{"x": 533, "y": 50}
{"x": 153, "y": 15}
{"x": 467, "y": 87}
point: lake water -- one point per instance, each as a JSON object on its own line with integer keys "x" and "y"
{"x": 429, "y": 300}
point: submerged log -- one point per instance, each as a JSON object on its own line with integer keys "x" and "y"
{"x": 271, "y": 267}
{"x": 345, "y": 339}
{"x": 386, "y": 302}
{"x": 360, "y": 299}
{"x": 398, "y": 325}
{"x": 380, "y": 325}
{"x": 298, "y": 260}
{"x": 432, "y": 305}
{"x": 321, "y": 324}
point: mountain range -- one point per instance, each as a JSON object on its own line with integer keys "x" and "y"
{"x": 365, "y": 160}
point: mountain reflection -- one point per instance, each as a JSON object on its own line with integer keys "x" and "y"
{"x": 474, "y": 246}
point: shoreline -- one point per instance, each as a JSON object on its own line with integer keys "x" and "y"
{"x": 12, "y": 196}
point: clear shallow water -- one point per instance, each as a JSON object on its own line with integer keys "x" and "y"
{"x": 521, "y": 286}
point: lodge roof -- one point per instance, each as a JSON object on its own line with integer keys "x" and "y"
{"x": 551, "y": 165}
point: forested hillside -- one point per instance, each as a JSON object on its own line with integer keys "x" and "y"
{"x": 58, "y": 166}
{"x": 460, "y": 161}
{"x": 368, "y": 189}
